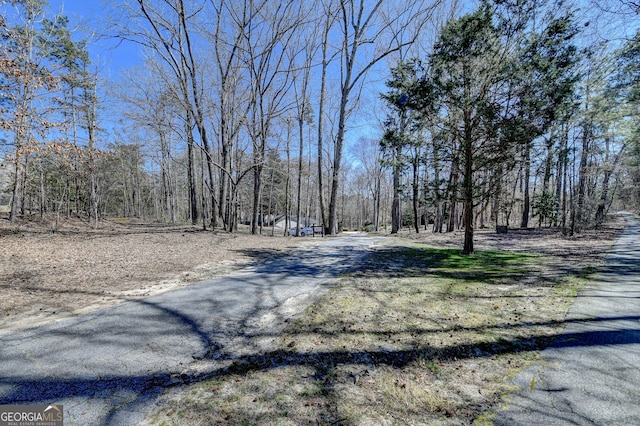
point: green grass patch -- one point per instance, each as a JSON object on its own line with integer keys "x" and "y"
{"x": 488, "y": 266}
{"x": 420, "y": 335}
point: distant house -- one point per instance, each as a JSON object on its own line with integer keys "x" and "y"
{"x": 293, "y": 222}
{"x": 6, "y": 177}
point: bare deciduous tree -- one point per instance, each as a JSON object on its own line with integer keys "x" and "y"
{"x": 265, "y": 40}
{"x": 370, "y": 32}
{"x": 165, "y": 27}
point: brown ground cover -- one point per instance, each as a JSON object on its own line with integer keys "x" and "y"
{"x": 47, "y": 275}
{"x": 418, "y": 335}
{"x": 415, "y": 336}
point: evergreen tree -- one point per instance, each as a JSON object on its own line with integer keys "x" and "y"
{"x": 544, "y": 78}
{"x": 466, "y": 66}
{"x": 402, "y": 128}
{"x": 626, "y": 85}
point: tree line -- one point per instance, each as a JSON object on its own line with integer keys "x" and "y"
{"x": 509, "y": 118}
{"x": 248, "y": 111}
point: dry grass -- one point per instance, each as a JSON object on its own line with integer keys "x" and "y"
{"x": 54, "y": 270}
{"x": 420, "y": 335}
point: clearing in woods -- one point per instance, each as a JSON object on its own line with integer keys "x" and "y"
{"x": 412, "y": 331}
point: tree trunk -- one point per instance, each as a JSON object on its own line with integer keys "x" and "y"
{"x": 608, "y": 172}
{"x": 376, "y": 201}
{"x": 337, "y": 154}
{"x": 226, "y": 167}
{"x": 356, "y": 28}
{"x": 524, "y": 223}
{"x": 198, "y": 114}
{"x": 203, "y": 196}
{"x": 20, "y": 173}
{"x": 582, "y": 179}
{"x": 468, "y": 193}
{"x": 257, "y": 188}
{"x": 564, "y": 183}
{"x": 323, "y": 86}
{"x": 287, "y": 195}
{"x": 604, "y": 197}
{"x": 270, "y": 214}
{"x": 453, "y": 195}
{"x": 561, "y": 179}
{"x": 43, "y": 193}
{"x": 395, "y": 205}
{"x": 438, "y": 219}
{"x": 548, "y": 164}
{"x": 300, "y": 154}
{"x": 416, "y": 191}
{"x": 496, "y": 205}
{"x": 191, "y": 180}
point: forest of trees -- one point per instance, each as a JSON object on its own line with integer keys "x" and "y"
{"x": 359, "y": 114}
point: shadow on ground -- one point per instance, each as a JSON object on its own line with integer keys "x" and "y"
{"x": 127, "y": 391}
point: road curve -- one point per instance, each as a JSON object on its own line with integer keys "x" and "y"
{"x": 591, "y": 374}
{"x": 106, "y": 367}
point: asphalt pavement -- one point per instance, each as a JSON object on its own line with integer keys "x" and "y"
{"x": 591, "y": 374}
{"x": 107, "y": 367}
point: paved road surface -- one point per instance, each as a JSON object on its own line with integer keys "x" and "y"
{"x": 107, "y": 366}
{"x": 591, "y": 375}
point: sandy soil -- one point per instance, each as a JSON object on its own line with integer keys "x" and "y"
{"x": 47, "y": 275}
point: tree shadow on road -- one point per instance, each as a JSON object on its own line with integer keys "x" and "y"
{"x": 129, "y": 392}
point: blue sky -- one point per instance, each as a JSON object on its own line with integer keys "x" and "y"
{"x": 110, "y": 56}
{"x": 111, "y": 59}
